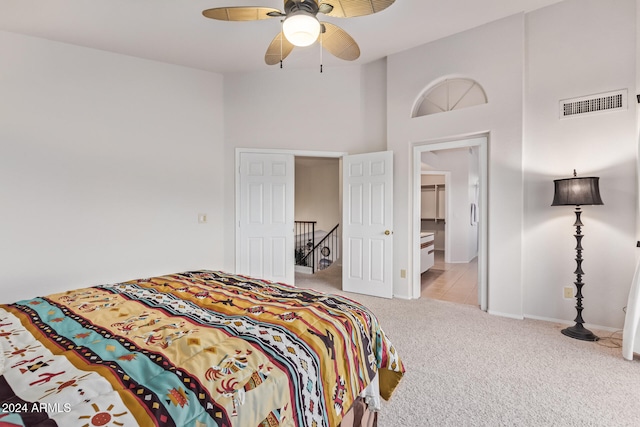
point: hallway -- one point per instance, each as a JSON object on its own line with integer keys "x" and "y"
{"x": 451, "y": 282}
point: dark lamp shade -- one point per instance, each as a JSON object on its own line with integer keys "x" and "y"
{"x": 576, "y": 191}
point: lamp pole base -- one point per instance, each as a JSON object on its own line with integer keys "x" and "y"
{"x": 579, "y": 332}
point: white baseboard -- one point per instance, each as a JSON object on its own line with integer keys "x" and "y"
{"x": 570, "y": 323}
{"x": 509, "y": 315}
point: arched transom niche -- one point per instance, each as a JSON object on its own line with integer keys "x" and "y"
{"x": 449, "y": 94}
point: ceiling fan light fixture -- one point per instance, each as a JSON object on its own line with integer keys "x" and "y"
{"x": 301, "y": 28}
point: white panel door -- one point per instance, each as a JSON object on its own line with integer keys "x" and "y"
{"x": 367, "y": 234}
{"x": 266, "y": 209}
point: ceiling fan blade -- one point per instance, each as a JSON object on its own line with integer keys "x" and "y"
{"x": 241, "y": 13}
{"x": 279, "y": 49}
{"x": 351, "y": 8}
{"x": 339, "y": 43}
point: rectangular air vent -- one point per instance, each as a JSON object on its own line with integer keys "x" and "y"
{"x": 609, "y": 101}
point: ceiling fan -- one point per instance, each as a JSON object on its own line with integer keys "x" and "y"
{"x": 301, "y": 27}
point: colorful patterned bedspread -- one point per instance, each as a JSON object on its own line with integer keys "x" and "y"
{"x": 197, "y": 349}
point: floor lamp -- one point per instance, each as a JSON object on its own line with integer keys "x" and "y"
{"x": 578, "y": 192}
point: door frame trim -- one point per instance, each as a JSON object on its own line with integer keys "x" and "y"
{"x": 295, "y": 153}
{"x": 480, "y": 140}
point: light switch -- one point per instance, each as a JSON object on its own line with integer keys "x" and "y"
{"x": 202, "y": 218}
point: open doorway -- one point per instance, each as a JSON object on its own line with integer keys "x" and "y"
{"x": 317, "y": 213}
{"x": 265, "y": 197}
{"x": 457, "y": 223}
{"x": 449, "y": 190}
{"x": 365, "y": 196}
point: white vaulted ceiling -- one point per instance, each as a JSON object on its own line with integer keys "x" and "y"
{"x": 174, "y": 31}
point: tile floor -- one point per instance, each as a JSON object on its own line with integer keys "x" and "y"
{"x": 451, "y": 282}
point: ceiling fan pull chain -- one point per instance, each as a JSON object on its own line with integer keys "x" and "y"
{"x": 281, "y": 37}
{"x": 321, "y": 50}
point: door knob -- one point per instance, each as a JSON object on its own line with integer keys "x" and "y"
{"x": 387, "y": 232}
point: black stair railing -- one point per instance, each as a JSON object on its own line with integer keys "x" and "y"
{"x": 307, "y": 249}
{"x": 305, "y": 236}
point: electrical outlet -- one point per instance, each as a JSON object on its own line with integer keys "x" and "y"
{"x": 568, "y": 292}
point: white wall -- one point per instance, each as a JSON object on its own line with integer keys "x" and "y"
{"x": 105, "y": 163}
{"x": 342, "y": 109}
{"x": 317, "y": 192}
{"x": 565, "y": 61}
{"x": 492, "y": 55}
{"x": 548, "y": 56}
{"x": 637, "y": 81}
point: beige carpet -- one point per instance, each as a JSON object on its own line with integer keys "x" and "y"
{"x": 468, "y": 368}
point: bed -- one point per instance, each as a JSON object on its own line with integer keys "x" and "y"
{"x": 199, "y": 348}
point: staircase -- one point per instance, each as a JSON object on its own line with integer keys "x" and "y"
{"x": 315, "y": 249}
